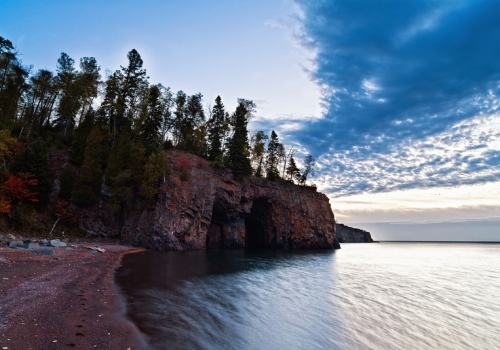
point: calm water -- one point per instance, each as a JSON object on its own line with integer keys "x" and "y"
{"x": 364, "y": 296}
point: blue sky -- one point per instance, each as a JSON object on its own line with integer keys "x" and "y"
{"x": 397, "y": 100}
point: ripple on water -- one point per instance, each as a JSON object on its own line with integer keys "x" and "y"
{"x": 364, "y": 296}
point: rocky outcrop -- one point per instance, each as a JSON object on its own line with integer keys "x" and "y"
{"x": 346, "y": 234}
{"x": 212, "y": 210}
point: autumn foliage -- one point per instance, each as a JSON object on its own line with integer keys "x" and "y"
{"x": 18, "y": 188}
{"x": 63, "y": 211}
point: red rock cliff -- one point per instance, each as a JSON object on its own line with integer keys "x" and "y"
{"x": 212, "y": 210}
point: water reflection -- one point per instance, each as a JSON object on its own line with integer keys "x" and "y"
{"x": 366, "y": 296}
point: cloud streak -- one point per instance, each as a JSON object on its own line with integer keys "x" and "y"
{"x": 407, "y": 87}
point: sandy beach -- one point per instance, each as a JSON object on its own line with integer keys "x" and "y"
{"x": 64, "y": 301}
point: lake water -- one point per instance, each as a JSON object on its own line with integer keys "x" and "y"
{"x": 364, "y": 296}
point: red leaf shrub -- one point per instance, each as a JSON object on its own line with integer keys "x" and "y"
{"x": 18, "y": 188}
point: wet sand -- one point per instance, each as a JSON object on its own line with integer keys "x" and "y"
{"x": 65, "y": 301}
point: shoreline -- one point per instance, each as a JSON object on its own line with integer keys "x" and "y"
{"x": 65, "y": 301}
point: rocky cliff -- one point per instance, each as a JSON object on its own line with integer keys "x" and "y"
{"x": 212, "y": 210}
{"x": 346, "y": 234}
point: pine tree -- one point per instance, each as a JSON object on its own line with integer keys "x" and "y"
{"x": 118, "y": 160}
{"x": 216, "y": 130}
{"x": 67, "y": 181}
{"x": 293, "y": 171}
{"x": 132, "y": 79}
{"x": 272, "y": 172}
{"x": 88, "y": 184}
{"x": 156, "y": 170}
{"x": 118, "y": 174}
{"x": 80, "y": 137}
{"x": 150, "y": 128}
{"x": 239, "y": 162}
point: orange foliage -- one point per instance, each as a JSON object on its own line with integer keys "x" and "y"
{"x": 18, "y": 188}
{"x": 63, "y": 212}
{"x": 4, "y": 206}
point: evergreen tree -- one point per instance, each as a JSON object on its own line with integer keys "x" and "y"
{"x": 216, "y": 131}
{"x": 118, "y": 174}
{"x": 118, "y": 160}
{"x": 88, "y": 184}
{"x": 67, "y": 181}
{"x": 193, "y": 118}
{"x": 150, "y": 128}
{"x": 292, "y": 171}
{"x": 239, "y": 162}
{"x": 137, "y": 162}
{"x": 273, "y": 149}
{"x": 156, "y": 170}
{"x": 132, "y": 79}
{"x": 179, "y": 116}
{"x": 80, "y": 137}
{"x": 69, "y": 87}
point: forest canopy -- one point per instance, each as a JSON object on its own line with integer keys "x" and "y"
{"x": 117, "y": 128}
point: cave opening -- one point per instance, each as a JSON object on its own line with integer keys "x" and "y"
{"x": 256, "y": 226}
{"x": 215, "y": 234}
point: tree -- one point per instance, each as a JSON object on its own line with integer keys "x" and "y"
{"x": 13, "y": 77}
{"x": 156, "y": 170}
{"x": 34, "y": 161}
{"x": 41, "y": 96}
{"x": 6, "y": 142}
{"x": 179, "y": 116}
{"x": 88, "y": 184}
{"x": 131, "y": 80}
{"x": 69, "y": 100}
{"x": 258, "y": 149}
{"x": 193, "y": 118}
{"x": 273, "y": 152}
{"x": 150, "y": 127}
{"x": 67, "y": 180}
{"x": 20, "y": 188}
{"x": 118, "y": 174}
{"x": 239, "y": 162}
{"x": 309, "y": 164}
{"x": 80, "y": 137}
{"x": 216, "y": 131}
{"x": 293, "y": 172}
{"x": 89, "y": 78}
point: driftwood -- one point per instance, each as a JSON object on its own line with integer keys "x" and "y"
{"x": 100, "y": 250}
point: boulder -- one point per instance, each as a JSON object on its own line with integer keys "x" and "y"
{"x": 15, "y": 244}
{"x": 10, "y": 236}
{"x": 44, "y": 251}
{"x": 30, "y": 245}
{"x": 57, "y": 243}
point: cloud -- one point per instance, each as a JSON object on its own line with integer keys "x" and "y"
{"x": 393, "y": 70}
{"x": 450, "y": 158}
{"x": 402, "y": 83}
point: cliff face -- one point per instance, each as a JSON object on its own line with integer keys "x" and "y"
{"x": 346, "y": 234}
{"x": 211, "y": 210}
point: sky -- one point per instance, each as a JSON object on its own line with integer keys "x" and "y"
{"x": 396, "y": 100}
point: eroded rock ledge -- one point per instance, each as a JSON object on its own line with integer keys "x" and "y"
{"x": 346, "y": 234}
{"x": 211, "y": 210}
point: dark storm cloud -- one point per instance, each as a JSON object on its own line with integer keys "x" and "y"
{"x": 394, "y": 70}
